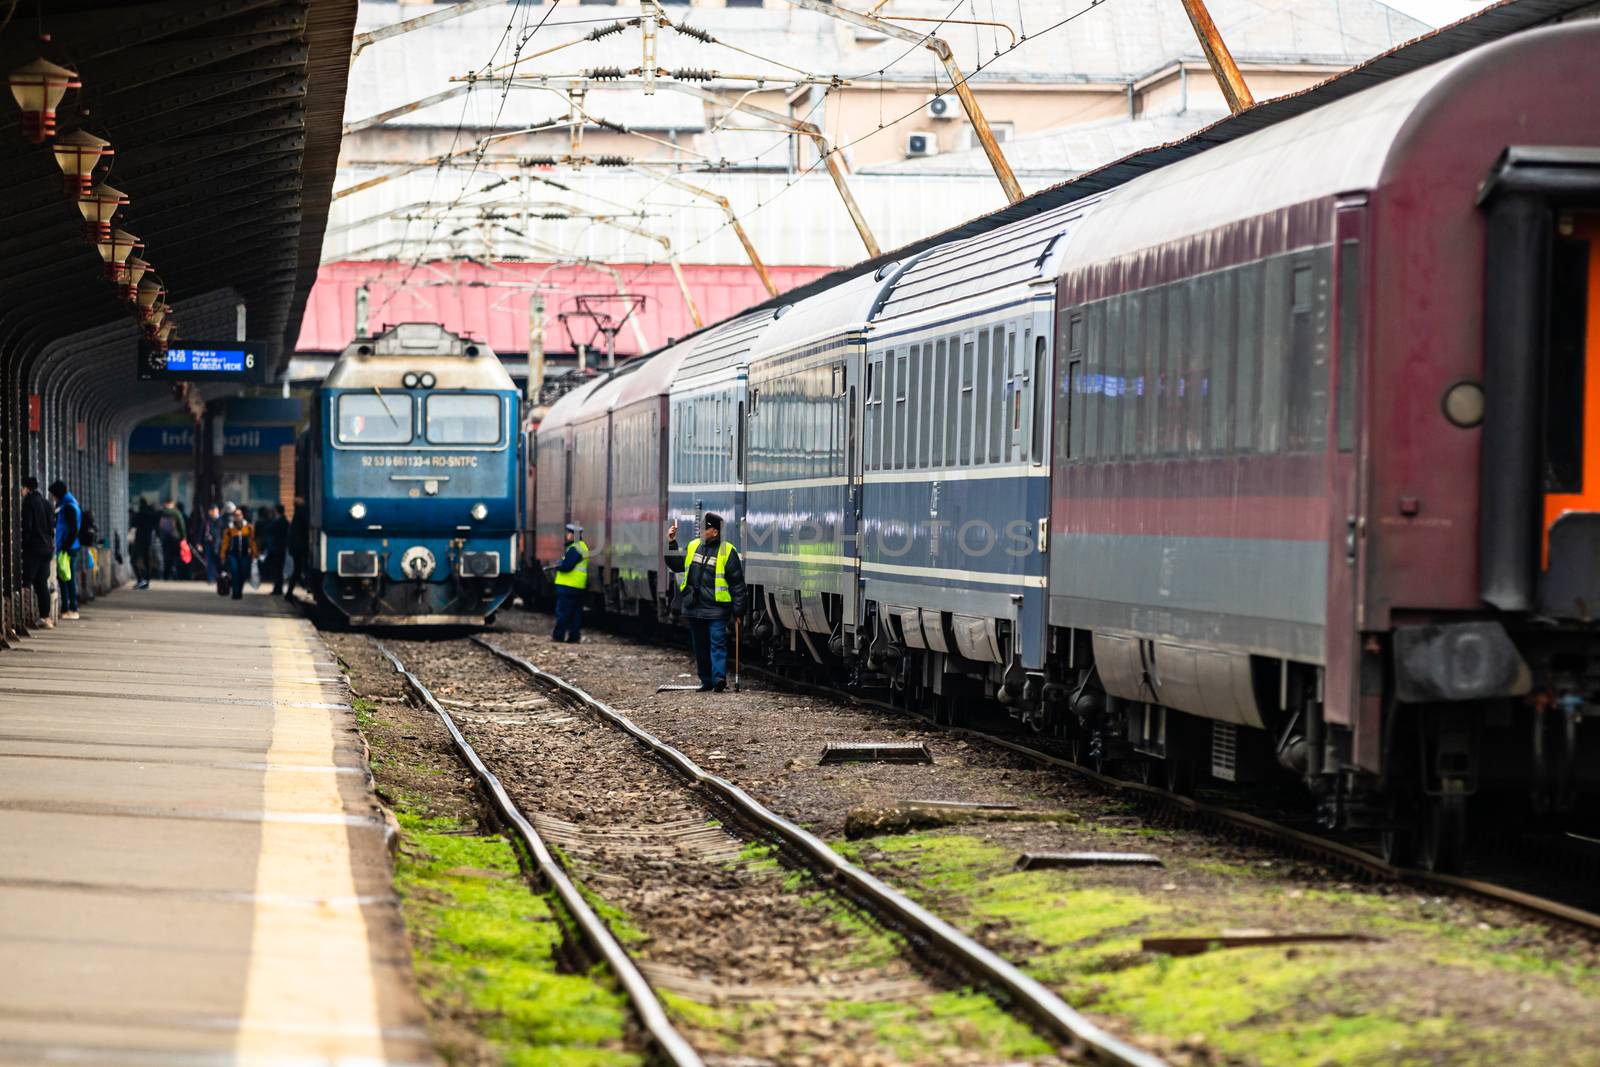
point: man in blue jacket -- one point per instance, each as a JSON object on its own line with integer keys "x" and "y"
{"x": 69, "y": 517}
{"x": 571, "y": 578}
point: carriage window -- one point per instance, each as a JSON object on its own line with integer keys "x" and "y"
{"x": 374, "y": 419}
{"x": 1350, "y": 341}
{"x": 468, "y": 419}
{"x": 1041, "y": 397}
{"x": 936, "y": 408}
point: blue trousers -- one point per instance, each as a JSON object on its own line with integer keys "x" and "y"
{"x": 710, "y": 640}
{"x": 69, "y": 589}
{"x": 569, "y": 615}
{"x": 238, "y": 574}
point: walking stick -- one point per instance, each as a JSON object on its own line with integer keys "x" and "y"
{"x": 736, "y": 653}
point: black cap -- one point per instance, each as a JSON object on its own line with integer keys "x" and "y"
{"x": 30, "y": 482}
{"x": 58, "y": 488}
{"x": 713, "y": 520}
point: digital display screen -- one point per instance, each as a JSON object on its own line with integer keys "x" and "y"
{"x": 204, "y": 361}
{"x": 210, "y": 360}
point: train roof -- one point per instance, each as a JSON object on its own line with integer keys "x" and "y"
{"x": 655, "y": 374}
{"x": 986, "y": 265}
{"x": 382, "y": 362}
{"x": 844, "y": 308}
{"x": 720, "y": 349}
{"x": 567, "y": 407}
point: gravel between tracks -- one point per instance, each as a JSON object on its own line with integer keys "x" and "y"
{"x": 764, "y": 966}
{"x": 1452, "y": 981}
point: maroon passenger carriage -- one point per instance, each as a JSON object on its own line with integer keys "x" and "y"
{"x": 1326, "y": 478}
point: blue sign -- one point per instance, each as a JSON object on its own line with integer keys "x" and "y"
{"x": 203, "y": 361}
{"x": 237, "y": 439}
{"x": 210, "y": 360}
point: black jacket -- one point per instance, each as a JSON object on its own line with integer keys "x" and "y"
{"x": 38, "y": 526}
{"x": 699, "y": 600}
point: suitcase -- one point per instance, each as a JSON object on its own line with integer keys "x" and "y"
{"x": 222, "y": 584}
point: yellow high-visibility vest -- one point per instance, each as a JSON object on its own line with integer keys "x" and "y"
{"x": 577, "y": 577}
{"x": 724, "y": 550}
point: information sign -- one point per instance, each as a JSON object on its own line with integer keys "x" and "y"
{"x": 204, "y": 361}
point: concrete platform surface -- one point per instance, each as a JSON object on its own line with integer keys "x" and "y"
{"x": 193, "y": 869}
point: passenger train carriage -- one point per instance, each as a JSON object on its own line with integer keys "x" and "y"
{"x": 1279, "y": 459}
{"x": 414, "y": 481}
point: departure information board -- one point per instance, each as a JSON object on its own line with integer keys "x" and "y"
{"x": 204, "y": 361}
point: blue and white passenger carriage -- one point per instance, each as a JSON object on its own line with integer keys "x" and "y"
{"x": 414, "y": 480}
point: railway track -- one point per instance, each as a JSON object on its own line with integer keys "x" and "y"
{"x": 1336, "y": 854}
{"x": 936, "y": 945}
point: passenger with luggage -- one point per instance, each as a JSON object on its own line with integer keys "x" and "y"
{"x": 171, "y": 529}
{"x": 239, "y": 552}
{"x": 69, "y": 519}
{"x": 38, "y": 546}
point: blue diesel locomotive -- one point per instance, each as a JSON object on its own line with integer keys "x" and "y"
{"x": 414, "y": 480}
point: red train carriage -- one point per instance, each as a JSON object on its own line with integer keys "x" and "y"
{"x": 1326, "y": 479}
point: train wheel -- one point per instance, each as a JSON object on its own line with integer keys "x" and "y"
{"x": 1442, "y": 840}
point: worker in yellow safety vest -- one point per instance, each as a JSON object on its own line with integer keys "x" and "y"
{"x": 571, "y": 578}
{"x": 711, "y": 592}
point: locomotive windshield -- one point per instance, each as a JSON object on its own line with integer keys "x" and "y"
{"x": 374, "y": 419}
{"x": 463, "y": 419}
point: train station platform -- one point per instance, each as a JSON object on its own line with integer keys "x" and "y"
{"x": 193, "y": 867}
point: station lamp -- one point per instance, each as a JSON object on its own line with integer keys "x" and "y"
{"x": 76, "y": 154}
{"x": 164, "y": 332}
{"x": 98, "y": 206}
{"x": 115, "y": 250}
{"x": 155, "y": 316}
{"x": 132, "y": 271}
{"x": 150, "y": 289}
{"x": 38, "y": 88}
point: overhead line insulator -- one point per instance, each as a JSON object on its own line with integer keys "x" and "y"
{"x": 601, "y": 74}
{"x": 696, "y": 32}
{"x": 693, "y": 74}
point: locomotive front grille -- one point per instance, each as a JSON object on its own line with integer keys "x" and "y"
{"x": 358, "y": 564}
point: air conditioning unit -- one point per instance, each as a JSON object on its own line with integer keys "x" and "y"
{"x": 940, "y": 107}
{"x": 922, "y": 144}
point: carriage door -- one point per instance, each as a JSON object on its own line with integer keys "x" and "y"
{"x": 1344, "y": 701}
{"x": 849, "y": 404}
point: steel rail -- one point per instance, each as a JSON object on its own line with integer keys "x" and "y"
{"x": 1048, "y": 1010}
{"x": 647, "y": 1007}
{"x": 1335, "y": 852}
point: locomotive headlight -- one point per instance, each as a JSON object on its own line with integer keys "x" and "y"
{"x": 410, "y": 381}
{"x": 427, "y": 381}
{"x": 480, "y": 512}
{"x": 1463, "y": 404}
{"x": 358, "y": 510}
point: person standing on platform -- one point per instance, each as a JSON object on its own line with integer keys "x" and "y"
{"x": 277, "y": 546}
{"x": 211, "y": 528}
{"x": 38, "y": 546}
{"x": 238, "y": 552}
{"x": 711, "y": 591}
{"x": 572, "y": 578}
{"x": 144, "y": 523}
{"x": 68, "y": 519}
{"x": 170, "y": 528}
{"x": 299, "y": 545}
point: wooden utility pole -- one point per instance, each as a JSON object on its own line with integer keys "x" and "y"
{"x": 1234, "y": 90}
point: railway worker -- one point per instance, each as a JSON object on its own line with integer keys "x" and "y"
{"x": 38, "y": 546}
{"x": 239, "y": 551}
{"x": 711, "y": 591}
{"x": 571, "y": 578}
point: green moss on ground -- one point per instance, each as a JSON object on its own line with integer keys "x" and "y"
{"x": 486, "y": 946}
{"x": 957, "y": 1018}
{"x": 1412, "y": 999}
